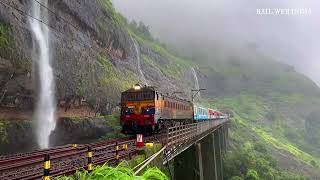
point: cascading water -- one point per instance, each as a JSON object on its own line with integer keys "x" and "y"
{"x": 136, "y": 47}
{"x": 196, "y": 82}
{"x": 45, "y": 109}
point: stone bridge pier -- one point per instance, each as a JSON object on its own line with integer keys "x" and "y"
{"x": 203, "y": 160}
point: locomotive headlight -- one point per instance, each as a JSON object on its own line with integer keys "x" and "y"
{"x": 137, "y": 87}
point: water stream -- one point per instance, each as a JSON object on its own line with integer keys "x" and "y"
{"x": 45, "y": 109}
{"x": 196, "y": 81}
{"x": 136, "y": 47}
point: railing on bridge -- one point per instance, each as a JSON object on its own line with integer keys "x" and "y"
{"x": 179, "y": 138}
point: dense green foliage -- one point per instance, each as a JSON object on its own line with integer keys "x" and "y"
{"x": 262, "y": 116}
{"x": 122, "y": 171}
{"x": 249, "y": 157}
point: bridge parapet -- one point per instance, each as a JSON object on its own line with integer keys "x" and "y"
{"x": 180, "y": 138}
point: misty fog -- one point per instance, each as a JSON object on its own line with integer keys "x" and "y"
{"x": 291, "y": 38}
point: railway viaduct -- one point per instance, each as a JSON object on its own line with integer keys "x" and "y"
{"x": 195, "y": 150}
{"x": 201, "y": 156}
{"x": 203, "y": 160}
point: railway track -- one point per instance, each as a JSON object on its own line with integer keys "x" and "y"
{"x": 68, "y": 158}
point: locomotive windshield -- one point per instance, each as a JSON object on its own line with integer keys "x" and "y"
{"x": 137, "y": 96}
{"x": 148, "y": 110}
{"x": 127, "y": 111}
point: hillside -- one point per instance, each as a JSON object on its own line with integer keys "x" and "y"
{"x": 273, "y": 105}
{"x": 97, "y": 54}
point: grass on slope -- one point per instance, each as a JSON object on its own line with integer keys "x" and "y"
{"x": 257, "y": 115}
{"x": 114, "y": 78}
{"x": 250, "y": 158}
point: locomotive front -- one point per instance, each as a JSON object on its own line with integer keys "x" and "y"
{"x": 137, "y": 109}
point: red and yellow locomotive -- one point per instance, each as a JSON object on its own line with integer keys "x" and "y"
{"x": 143, "y": 109}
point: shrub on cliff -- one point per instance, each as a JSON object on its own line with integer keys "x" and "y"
{"x": 122, "y": 171}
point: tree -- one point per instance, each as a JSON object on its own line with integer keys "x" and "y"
{"x": 252, "y": 175}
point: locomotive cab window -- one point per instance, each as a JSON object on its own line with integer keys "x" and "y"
{"x": 148, "y": 110}
{"x": 127, "y": 110}
{"x": 138, "y": 96}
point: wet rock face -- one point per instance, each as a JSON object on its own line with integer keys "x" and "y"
{"x": 81, "y": 33}
{"x": 80, "y": 30}
{"x": 79, "y": 131}
{"x": 19, "y": 136}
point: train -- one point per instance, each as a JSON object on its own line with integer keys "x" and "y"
{"x": 146, "y": 110}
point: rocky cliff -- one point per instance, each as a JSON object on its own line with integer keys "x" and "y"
{"x": 94, "y": 55}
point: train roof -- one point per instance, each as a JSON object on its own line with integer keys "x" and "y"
{"x": 153, "y": 89}
{"x": 143, "y": 88}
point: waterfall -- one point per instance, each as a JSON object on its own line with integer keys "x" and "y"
{"x": 136, "y": 47}
{"x": 196, "y": 82}
{"x": 45, "y": 108}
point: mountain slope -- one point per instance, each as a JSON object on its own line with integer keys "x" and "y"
{"x": 97, "y": 54}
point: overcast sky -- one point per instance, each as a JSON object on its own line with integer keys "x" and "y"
{"x": 293, "y": 38}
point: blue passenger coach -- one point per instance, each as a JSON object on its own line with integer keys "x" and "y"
{"x": 200, "y": 113}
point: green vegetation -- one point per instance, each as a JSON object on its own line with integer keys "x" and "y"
{"x": 118, "y": 80}
{"x": 113, "y": 121}
{"x": 122, "y": 171}
{"x": 312, "y": 135}
{"x": 118, "y": 19}
{"x": 140, "y": 29}
{"x": 283, "y": 144}
{"x": 174, "y": 67}
{"x": 254, "y": 111}
{"x": 170, "y": 69}
{"x": 6, "y": 45}
{"x": 259, "y": 132}
{"x": 9, "y": 51}
{"x": 250, "y": 158}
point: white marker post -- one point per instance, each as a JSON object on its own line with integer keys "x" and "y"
{"x": 139, "y": 143}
